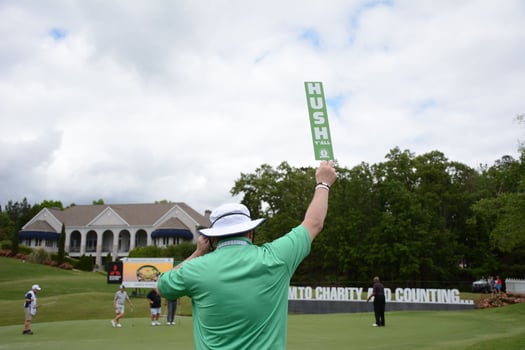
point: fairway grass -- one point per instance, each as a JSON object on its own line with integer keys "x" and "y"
{"x": 77, "y": 308}
{"x": 476, "y": 329}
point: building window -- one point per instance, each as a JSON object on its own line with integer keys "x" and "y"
{"x": 75, "y": 245}
{"x": 91, "y": 245}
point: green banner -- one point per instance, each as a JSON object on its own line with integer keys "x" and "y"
{"x": 319, "y": 121}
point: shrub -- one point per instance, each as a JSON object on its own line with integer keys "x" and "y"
{"x": 5, "y": 244}
{"x": 85, "y": 263}
{"x": 51, "y": 263}
{"x": 70, "y": 260}
{"x": 179, "y": 252}
{"x": 66, "y": 266}
{"x": 143, "y": 252}
{"x": 24, "y": 250}
{"x": 5, "y": 252}
{"x": 38, "y": 256}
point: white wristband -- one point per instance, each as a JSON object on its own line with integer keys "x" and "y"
{"x": 322, "y": 185}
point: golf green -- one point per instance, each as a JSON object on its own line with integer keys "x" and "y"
{"x": 76, "y": 309}
{"x": 478, "y": 329}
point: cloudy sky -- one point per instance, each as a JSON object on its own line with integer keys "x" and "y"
{"x": 136, "y": 101}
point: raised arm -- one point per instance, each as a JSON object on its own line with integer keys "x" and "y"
{"x": 316, "y": 213}
{"x": 203, "y": 247}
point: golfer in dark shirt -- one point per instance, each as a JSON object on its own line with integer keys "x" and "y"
{"x": 378, "y": 293}
{"x": 155, "y": 306}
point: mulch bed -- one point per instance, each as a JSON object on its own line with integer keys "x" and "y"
{"x": 500, "y": 299}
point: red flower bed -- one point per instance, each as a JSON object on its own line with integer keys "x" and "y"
{"x": 51, "y": 263}
{"x": 5, "y": 252}
{"x": 66, "y": 266}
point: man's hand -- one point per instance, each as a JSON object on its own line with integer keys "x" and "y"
{"x": 203, "y": 245}
{"x": 326, "y": 173}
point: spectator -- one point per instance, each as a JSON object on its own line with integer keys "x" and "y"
{"x": 172, "y": 309}
{"x": 30, "y": 307}
{"x": 499, "y": 284}
{"x": 378, "y": 292}
{"x": 155, "y": 306}
{"x": 239, "y": 291}
{"x": 118, "y": 303}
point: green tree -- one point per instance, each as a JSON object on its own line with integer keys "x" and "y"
{"x": 280, "y": 194}
{"x": 404, "y": 218}
{"x": 48, "y": 204}
{"x": 498, "y": 216}
{"x": 445, "y": 192}
{"x": 108, "y": 259}
{"x": 19, "y": 213}
{"x": 61, "y": 245}
{"x": 504, "y": 219}
{"x": 398, "y": 241}
{"x": 7, "y": 226}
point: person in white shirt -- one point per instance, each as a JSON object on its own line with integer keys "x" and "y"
{"x": 30, "y": 307}
{"x": 118, "y": 303}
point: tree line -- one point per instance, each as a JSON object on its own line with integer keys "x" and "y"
{"x": 408, "y": 218}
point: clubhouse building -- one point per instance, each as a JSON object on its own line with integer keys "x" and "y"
{"x": 102, "y": 230}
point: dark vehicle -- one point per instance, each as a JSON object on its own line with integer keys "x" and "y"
{"x": 481, "y": 286}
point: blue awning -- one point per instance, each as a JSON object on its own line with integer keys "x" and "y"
{"x": 52, "y": 236}
{"x": 172, "y": 232}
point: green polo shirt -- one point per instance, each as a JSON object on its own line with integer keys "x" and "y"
{"x": 240, "y": 291}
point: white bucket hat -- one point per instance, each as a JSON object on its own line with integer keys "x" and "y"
{"x": 230, "y": 219}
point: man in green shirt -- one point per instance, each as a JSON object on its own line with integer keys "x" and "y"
{"x": 240, "y": 291}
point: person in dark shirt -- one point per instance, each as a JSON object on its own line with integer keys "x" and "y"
{"x": 378, "y": 292}
{"x": 155, "y": 306}
{"x": 172, "y": 309}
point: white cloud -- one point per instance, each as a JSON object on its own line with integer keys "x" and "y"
{"x": 132, "y": 101}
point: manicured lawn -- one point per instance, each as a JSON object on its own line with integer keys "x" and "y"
{"x": 77, "y": 306}
{"x": 65, "y": 295}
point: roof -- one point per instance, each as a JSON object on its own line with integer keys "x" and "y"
{"x": 173, "y": 223}
{"x": 133, "y": 214}
{"x": 160, "y": 215}
{"x": 40, "y": 225}
{"x": 173, "y": 227}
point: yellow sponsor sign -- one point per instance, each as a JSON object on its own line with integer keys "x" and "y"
{"x": 143, "y": 272}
